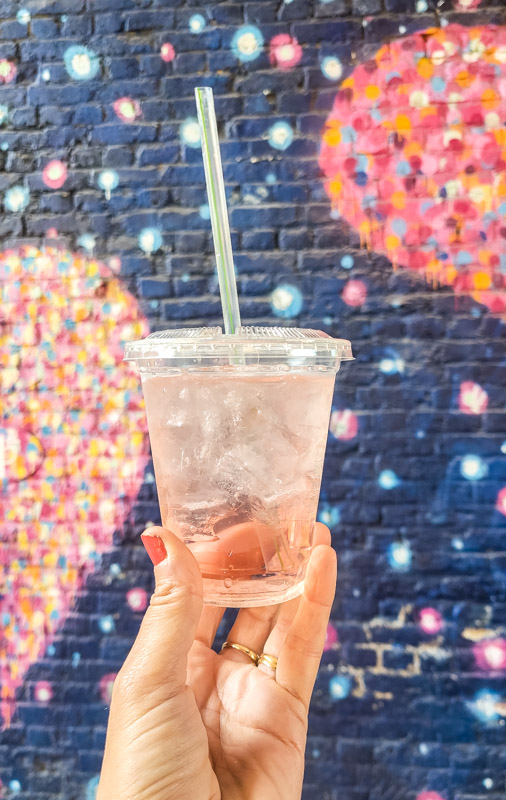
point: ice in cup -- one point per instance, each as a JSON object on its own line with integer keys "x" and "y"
{"x": 238, "y": 428}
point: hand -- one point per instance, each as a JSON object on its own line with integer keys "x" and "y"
{"x": 188, "y": 724}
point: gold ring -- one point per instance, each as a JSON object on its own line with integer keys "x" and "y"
{"x": 242, "y": 649}
{"x": 271, "y": 661}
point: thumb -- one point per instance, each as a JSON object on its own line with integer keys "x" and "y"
{"x": 157, "y": 661}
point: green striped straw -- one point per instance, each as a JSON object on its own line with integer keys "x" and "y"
{"x": 218, "y": 208}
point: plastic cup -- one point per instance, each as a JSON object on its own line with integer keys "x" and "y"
{"x": 238, "y": 428}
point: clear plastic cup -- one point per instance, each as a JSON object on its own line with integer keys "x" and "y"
{"x": 238, "y": 428}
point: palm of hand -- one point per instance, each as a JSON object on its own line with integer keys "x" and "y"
{"x": 255, "y": 728}
{"x": 192, "y": 724}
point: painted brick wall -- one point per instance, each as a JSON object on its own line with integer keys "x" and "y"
{"x": 366, "y": 227}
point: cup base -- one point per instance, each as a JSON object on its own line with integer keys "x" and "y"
{"x": 230, "y": 598}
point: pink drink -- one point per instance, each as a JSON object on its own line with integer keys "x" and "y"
{"x": 238, "y": 452}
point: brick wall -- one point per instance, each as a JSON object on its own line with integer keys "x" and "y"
{"x": 98, "y": 159}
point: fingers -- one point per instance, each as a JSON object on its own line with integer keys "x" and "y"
{"x": 157, "y": 660}
{"x": 264, "y": 629}
{"x": 289, "y": 609}
{"x": 300, "y": 654}
{"x": 251, "y": 628}
{"x": 208, "y": 624}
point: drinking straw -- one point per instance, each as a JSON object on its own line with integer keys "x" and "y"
{"x": 218, "y": 208}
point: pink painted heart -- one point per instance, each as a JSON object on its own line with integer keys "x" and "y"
{"x": 415, "y": 156}
{"x": 73, "y": 443}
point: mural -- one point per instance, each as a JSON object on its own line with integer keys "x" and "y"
{"x": 72, "y": 441}
{"x": 415, "y": 153}
{"x": 365, "y": 160}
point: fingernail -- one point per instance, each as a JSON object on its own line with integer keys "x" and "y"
{"x": 155, "y": 548}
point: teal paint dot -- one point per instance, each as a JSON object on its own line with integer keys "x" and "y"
{"x": 347, "y": 262}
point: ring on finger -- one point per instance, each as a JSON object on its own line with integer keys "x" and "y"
{"x": 270, "y": 661}
{"x": 242, "y": 649}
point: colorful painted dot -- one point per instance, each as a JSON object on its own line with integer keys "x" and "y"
{"x": 54, "y": 174}
{"x": 16, "y": 198}
{"x": 108, "y": 180}
{"x": 8, "y": 71}
{"x": 204, "y": 211}
{"x": 339, "y": 687}
{"x": 196, "y": 23}
{"x": 137, "y": 599}
{"x": 473, "y": 468}
{"x": 430, "y": 621}
{"x": 82, "y": 64}
{"x": 354, "y": 293}
{"x": 150, "y": 240}
{"x": 4, "y": 114}
{"x": 126, "y": 109}
{"x": 284, "y": 51}
{"x": 15, "y": 786}
{"x": 189, "y": 132}
{"x": 331, "y": 637}
{"x": 331, "y": 68}
{"x": 347, "y": 262}
{"x": 106, "y": 624}
{"x": 343, "y": 424}
{"x": 488, "y": 783}
{"x": 280, "y": 135}
{"x": 400, "y": 556}
{"x": 106, "y": 685}
{"x": 43, "y": 692}
{"x": 387, "y": 479}
{"x": 500, "y": 503}
{"x": 392, "y": 364}
{"x": 92, "y": 788}
{"x": 490, "y": 654}
{"x": 167, "y": 52}
{"x": 23, "y": 16}
{"x": 247, "y": 43}
{"x": 484, "y": 705}
{"x": 329, "y": 515}
{"x": 472, "y": 399}
{"x": 286, "y": 301}
{"x": 87, "y": 241}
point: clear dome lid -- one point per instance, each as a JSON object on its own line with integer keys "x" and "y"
{"x": 249, "y": 345}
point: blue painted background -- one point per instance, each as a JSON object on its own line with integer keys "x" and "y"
{"x": 400, "y": 708}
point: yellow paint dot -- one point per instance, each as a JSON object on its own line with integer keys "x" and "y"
{"x": 332, "y": 137}
{"x": 372, "y": 92}
{"x": 398, "y": 199}
{"x": 425, "y": 68}
{"x": 392, "y": 242}
{"x": 402, "y": 122}
{"x": 335, "y": 186}
{"x": 481, "y": 280}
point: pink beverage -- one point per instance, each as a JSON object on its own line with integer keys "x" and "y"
{"x": 238, "y": 427}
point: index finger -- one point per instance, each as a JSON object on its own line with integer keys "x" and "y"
{"x": 302, "y": 649}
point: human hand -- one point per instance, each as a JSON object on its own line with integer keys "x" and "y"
{"x": 187, "y": 723}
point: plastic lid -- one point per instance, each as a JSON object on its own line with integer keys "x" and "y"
{"x": 249, "y": 345}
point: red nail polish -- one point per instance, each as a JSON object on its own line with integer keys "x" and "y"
{"x": 155, "y": 548}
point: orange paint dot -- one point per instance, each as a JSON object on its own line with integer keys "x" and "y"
{"x": 464, "y": 79}
{"x": 489, "y": 99}
{"x": 425, "y": 68}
